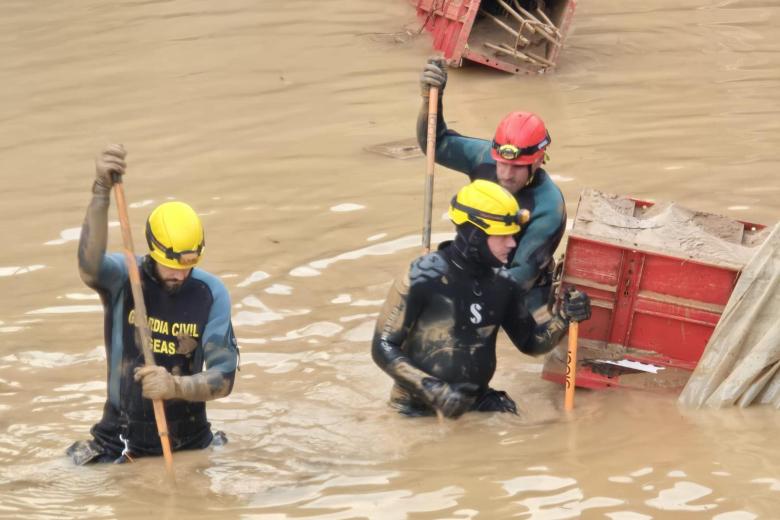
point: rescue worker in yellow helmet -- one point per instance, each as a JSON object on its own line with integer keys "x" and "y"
{"x": 175, "y": 238}
{"x": 436, "y": 334}
{"x": 188, "y": 309}
{"x": 514, "y": 158}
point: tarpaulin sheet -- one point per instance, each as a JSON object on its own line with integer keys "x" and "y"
{"x": 740, "y": 363}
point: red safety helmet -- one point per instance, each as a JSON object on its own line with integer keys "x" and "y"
{"x": 521, "y": 138}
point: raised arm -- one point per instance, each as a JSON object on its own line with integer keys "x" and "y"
{"x": 453, "y": 150}
{"x": 94, "y": 230}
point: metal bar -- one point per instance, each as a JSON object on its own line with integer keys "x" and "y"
{"x": 509, "y": 51}
{"x": 549, "y": 22}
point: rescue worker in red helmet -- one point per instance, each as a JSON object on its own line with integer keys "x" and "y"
{"x": 436, "y": 334}
{"x": 513, "y": 158}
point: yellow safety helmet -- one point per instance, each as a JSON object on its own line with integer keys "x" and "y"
{"x": 175, "y": 235}
{"x": 488, "y": 206}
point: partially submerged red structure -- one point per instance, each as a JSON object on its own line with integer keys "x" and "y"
{"x": 659, "y": 277}
{"x": 517, "y": 36}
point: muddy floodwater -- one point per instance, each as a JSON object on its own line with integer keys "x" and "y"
{"x": 258, "y": 114}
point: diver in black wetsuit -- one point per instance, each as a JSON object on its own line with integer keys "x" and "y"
{"x": 436, "y": 335}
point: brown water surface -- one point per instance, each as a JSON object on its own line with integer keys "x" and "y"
{"x": 258, "y": 113}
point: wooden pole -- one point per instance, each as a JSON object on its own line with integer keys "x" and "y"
{"x": 433, "y": 109}
{"x": 141, "y": 323}
{"x": 571, "y": 367}
{"x": 430, "y": 155}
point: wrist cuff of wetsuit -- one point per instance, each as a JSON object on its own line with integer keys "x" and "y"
{"x": 178, "y": 391}
{"x": 563, "y": 319}
{"x": 99, "y": 188}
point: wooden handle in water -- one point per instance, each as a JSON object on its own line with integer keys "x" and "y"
{"x": 141, "y": 323}
{"x": 571, "y": 366}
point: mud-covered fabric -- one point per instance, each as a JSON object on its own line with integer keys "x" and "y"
{"x": 199, "y": 309}
{"x": 441, "y": 320}
{"x": 537, "y": 241}
{"x": 741, "y": 363}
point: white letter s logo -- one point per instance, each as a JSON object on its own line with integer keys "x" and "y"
{"x": 476, "y": 317}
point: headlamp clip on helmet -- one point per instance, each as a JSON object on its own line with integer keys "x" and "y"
{"x": 511, "y": 152}
{"x": 478, "y": 217}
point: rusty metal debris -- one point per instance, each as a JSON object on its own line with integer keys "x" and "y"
{"x": 537, "y": 28}
{"x": 516, "y": 36}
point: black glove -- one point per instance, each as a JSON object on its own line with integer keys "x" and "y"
{"x": 434, "y": 74}
{"x": 576, "y": 306}
{"x": 451, "y": 400}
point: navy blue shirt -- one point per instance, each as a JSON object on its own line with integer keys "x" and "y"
{"x": 200, "y": 309}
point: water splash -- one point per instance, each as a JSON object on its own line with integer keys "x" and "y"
{"x": 325, "y": 329}
{"x": 383, "y": 248}
{"x": 279, "y": 289}
{"x": 348, "y": 206}
{"x": 678, "y": 498}
{"x": 16, "y": 270}
{"x": 257, "y": 276}
{"x": 80, "y": 296}
{"x": 40, "y": 359}
{"x": 266, "y": 314}
{"x": 304, "y": 272}
{"x": 363, "y": 333}
{"x": 67, "y": 309}
{"x": 342, "y": 298}
{"x": 71, "y": 234}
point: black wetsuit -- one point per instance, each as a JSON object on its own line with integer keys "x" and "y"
{"x": 442, "y": 319}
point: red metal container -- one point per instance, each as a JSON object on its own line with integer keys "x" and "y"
{"x": 649, "y": 306}
{"x": 461, "y": 30}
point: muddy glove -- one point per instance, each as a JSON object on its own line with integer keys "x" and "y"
{"x": 110, "y": 161}
{"x": 186, "y": 344}
{"x": 434, "y": 74}
{"x": 157, "y": 382}
{"x": 452, "y": 400}
{"x": 576, "y": 306}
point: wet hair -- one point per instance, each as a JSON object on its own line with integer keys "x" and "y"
{"x": 471, "y": 242}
